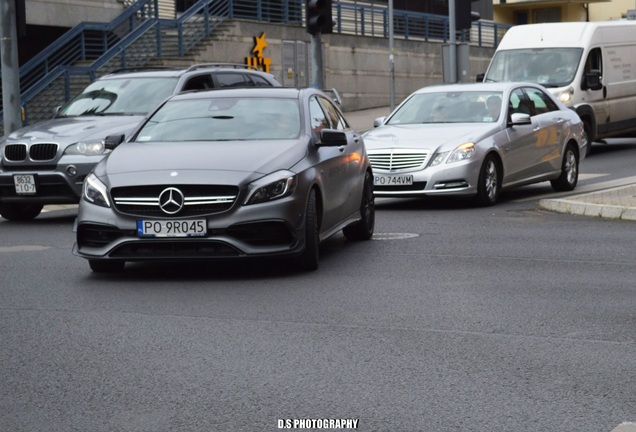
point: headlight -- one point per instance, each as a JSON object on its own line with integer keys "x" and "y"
{"x": 272, "y": 187}
{"x": 95, "y": 191}
{"x": 566, "y": 96}
{"x": 88, "y": 148}
{"x": 463, "y": 152}
{"x": 438, "y": 159}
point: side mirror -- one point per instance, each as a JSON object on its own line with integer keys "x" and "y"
{"x": 480, "y": 77}
{"x": 519, "y": 119}
{"x": 332, "y": 138}
{"x": 112, "y": 141}
{"x": 378, "y": 122}
{"x": 592, "y": 80}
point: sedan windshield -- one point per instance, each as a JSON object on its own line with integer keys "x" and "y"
{"x": 449, "y": 107}
{"x": 223, "y": 119}
{"x": 551, "y": 67}
{"x": 120, "y": 96}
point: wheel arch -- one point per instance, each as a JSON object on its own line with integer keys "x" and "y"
{"x": 586, "y": 113}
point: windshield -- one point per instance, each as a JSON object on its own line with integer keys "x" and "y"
{"x": 120, "y": 96}
{"x": 550, "y": 67}
{"x": 449, "y": 107}
{"x": 223, "y": 119}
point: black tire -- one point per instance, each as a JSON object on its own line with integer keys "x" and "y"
{"x": 309, "y": 257}
{"x": 363, "y": 229}
{"x": 489, "y": 183}
{"x": 102, "y": 266}
{"x": 569, "y": 171}
{"x": 20, "y": 212}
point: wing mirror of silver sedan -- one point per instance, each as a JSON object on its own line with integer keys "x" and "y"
{"x": 518, "y": 119}
{"x": 378, "y": 122}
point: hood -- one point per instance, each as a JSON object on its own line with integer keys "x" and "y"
{"x": 427, "y": 136}
{"x": 225, "y": 162}
{"x": 69, "y": 130}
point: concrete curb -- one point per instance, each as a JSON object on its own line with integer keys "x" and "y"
{"x": 615, "y": 203}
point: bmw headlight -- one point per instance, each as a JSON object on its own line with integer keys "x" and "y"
{"x": 95, "y": 191}
{"x": 272, "y": 187}
{"x": 463, "y": 152}
{"x": 566, "y": 96}
{"x": 87, "y": 148}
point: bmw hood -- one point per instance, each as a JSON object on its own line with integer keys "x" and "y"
{"x": 427, "y": 136}
{"x": 225, "y": 162}
{"x": 69, "y": 130}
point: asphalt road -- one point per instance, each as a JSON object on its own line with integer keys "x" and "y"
{"x": 453, "y": 318}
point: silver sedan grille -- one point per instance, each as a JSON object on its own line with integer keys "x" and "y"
{"x": 398, "y": 160}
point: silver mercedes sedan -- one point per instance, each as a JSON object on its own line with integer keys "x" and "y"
{"x": 228, "y": 174}
{"x": 475, "y": 140}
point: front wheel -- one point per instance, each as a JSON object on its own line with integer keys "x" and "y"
{"x": 363, "y": 229}
{"x": 488, "y": 184}
{"x": 308, "y": 259}
{"x": 20, "y": 212}
{"x": 569, "y": 171}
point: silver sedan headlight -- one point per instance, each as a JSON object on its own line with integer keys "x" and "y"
{"x": 88, "y": 148}
{"x": 95, "y": 191}
{"x": 463, "y": 152}
{"x": 272, "y": 187}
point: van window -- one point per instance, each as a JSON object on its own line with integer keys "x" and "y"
{"x": 550, "y": 67}
{"x": 594, "y": 61}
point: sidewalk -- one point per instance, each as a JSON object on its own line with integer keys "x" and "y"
{"x": 613, "y": 203}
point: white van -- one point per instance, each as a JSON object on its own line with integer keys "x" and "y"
{"x": 589, "y": 66}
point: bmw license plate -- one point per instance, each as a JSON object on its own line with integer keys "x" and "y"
{"x": 24, "y": 184}
{"x": 392, "y": 180}
{"x": 172, "y": 228}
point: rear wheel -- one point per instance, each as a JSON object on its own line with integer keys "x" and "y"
{"x": 569, "y": 171}
{"x": 99, "y": 266}
{"x": 308, "y": 259}
{"x": 488, "y": 184}
{"x": 363, "y": 229}
{"x": 20, "y": 212}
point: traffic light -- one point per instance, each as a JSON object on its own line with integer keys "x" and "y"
{"x": 464, "y": 16}
{"x": 318, "y": 17}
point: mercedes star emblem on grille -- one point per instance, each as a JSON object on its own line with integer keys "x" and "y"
{"x": 171, "y": 200}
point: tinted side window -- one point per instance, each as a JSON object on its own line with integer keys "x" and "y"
{"x": 259, "y": 81}
{"x": 317, "y": 116}
{"x": 542, "y": 102}
{"x": 232, "y": 80}
{"x": 336, "y": 120}
{"x": 199, "y": 82}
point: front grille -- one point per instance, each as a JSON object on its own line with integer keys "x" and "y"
{"x": 37, "y": 152}
{"x": 15, "y": 152}
{"x": 43, "y": 152}
{"x": 398, "y": 160}
{"x": 199, "y": 200}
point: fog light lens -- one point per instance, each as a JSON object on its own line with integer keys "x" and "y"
{"x": 71, "y": 170}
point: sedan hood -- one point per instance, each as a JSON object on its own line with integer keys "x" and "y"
{"x": 226, "y": 162}
{"x": 427, "y": 136}
{"x": 69, "y": 130}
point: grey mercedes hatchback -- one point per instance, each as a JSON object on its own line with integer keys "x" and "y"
{"x": 228, "y": 174}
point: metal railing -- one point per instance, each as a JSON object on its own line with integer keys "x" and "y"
{"x": 138, "y": 35}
